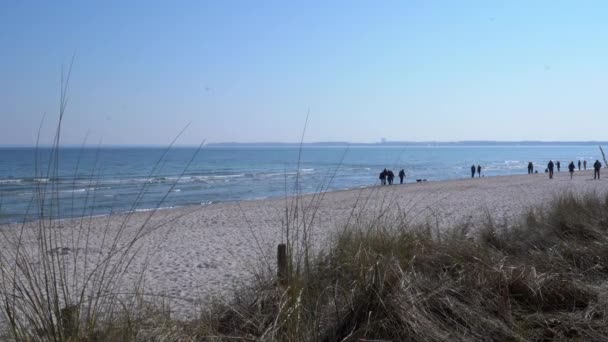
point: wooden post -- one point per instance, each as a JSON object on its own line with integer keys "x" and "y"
{"x": 282, "y": 274}
{"x": 69, "y": 321}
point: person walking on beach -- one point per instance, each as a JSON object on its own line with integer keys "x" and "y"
{"x": 473, "y": 171}
{"x": 596, "y": 169}
{"x": 390, "y": 176}
{"x": 530, "y": 168}
{"x": 571, "y": 169}
{"x": 479, "y": 171}
{"x": 579, "y": 165}
{"x": 558, "y": 165}
{"x": 401, "y": 176}
{"x": 584, "y": 164}
{"x": 383, "y": 177}
{"x": 550, "y": 168}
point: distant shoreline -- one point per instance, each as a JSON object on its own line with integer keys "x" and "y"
{"x": 472, "y": 143}
{"x": 467, "y": 143}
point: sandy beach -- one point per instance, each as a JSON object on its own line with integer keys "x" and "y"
{"x": 197, "y": 254}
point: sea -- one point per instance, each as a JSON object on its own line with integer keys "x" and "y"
{"x": 76, "y": 182}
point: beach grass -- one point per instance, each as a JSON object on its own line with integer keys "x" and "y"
{"x": 541, "y": 279}
{"x": 381, "y": 278}
{"x": 59, "y": 284}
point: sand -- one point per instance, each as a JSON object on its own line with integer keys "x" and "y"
{"x": 196, "y": 255}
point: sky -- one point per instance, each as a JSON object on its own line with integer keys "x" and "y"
{"x": 250, "y": 71}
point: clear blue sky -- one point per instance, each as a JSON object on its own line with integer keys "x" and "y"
{"x": 248, "y": 71}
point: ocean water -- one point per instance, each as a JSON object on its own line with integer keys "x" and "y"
{"x": 101, "y": 181}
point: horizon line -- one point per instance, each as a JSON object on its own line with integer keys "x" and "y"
{"x": 380, "y": 143}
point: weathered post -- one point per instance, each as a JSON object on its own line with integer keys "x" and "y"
{"x": 282, "y": 274}
{"x": 69, "y": 321}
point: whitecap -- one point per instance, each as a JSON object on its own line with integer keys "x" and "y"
{"x": 10, "y": 181}
{"x": 143, "y": 210}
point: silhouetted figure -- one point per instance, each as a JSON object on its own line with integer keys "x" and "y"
{"x": 579, "y": 165}
{"x": 550, "y": 167}
{"x": 473, "y": 171}
{"x": 401, "y": 176}
{"x": 571, "y": 169}
{"x": 390, "y": 176}
{"x": 478, "y": 170}
{"x": 596, "y": 169}
{"x": 530, "y": 168}
{"x": 382, "y": 177}
{"x": 558, "y": 165}
{"x": 585, "y": 164}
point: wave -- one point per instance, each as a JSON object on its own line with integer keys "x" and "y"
{"x": 193, "y": 178}
{"x": 37, "y": 180}
{"x": 80, "y": 190}
{"x": 10, "y": 181}
{"x": 143, "y": 210}
{"x": 85, "y": 189}
{"x": 206, "y": 178}
{"x": 171, "y": 179}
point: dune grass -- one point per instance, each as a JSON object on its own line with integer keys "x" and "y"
{"x": 56, "y": 283}
{"x": 541, "y": 279}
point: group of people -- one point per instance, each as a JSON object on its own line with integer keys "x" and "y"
{"x": 473, "y": 169}
{"x": 597, "y": 166}
{"x": 387, "y": 176}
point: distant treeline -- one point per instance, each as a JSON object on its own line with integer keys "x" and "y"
{"x": 343, "y": 143}
{"x": 419, "y": 143}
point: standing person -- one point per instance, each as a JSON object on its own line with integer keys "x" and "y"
{"x": 550, "y": 167}
{"x": 473, "y": 171}
{"x": 401, "y": 176}
{"x": 530, "y": 168}
{"x": 585, "y": 164}
{"x": 390, "y": 176}
{"x": 383, "y": 177}
{"x": 479, "y": 171}
{"x": 579, "y": 165}
{"x": 596, "y": 169}
{"x": 571, "y": 169}
{"x": 558, "y": 165}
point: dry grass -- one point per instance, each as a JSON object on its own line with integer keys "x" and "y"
{"x": 540, "y": 280}
{"x": 56, "y": 284}
{"x": 543, "y": 279}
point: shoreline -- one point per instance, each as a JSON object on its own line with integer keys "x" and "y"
{"x": 337, "y": 191}
{"x": 198, "y": 254}
{"x": 276, "y": 198}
